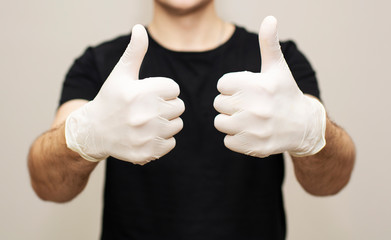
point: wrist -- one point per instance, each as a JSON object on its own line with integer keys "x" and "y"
{"x": 78, "y": 135}
{"x": 315, "y": 130}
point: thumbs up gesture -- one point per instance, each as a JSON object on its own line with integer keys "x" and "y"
{"x": 266, "y": 113}
{"x": 130, "y": 119}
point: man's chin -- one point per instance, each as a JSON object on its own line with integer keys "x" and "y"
{"x": 183, "y": 9}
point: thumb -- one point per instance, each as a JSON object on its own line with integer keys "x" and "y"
{"x": 269, "y": 43}
{"x": 133, "y": 56}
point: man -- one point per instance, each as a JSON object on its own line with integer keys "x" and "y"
{"x": 126, "y": 111}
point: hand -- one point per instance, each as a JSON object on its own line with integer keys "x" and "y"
{"x": 266, "y": 113}
{"x": 129, "y": 119}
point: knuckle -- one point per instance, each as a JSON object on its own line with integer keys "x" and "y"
{"x": 139, "y": 142}
{"x": 219, "y": 122}
{"x": 262, "y": 112}
{"x": 262, "y": 134}
{"x": 217, "y": 102}
{"x": 180, "y": 124}
{"x": 168, "y": 81}
{"x": 142, "y": 160}
{"x": 266, "y": 149}
{"x": 181, "y": 107}
{"x": 223, "y": 81}
{"x": 136, "y": 121}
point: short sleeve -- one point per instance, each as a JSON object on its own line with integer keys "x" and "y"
{"x": 82, "y": 80}
{"x": 301, "y": 69}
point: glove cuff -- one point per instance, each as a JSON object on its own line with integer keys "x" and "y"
{"x": 76, "y": 133}
{"x": 314, "y": 138}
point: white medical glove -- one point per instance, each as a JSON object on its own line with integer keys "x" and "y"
{"x": 266, "y": 113}
{"x": 129, "y": 119}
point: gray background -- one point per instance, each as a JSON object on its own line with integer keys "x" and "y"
{"x": 348, "y": 43}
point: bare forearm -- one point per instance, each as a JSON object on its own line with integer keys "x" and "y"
{"x": 328, "y": 171}
{"x": 57, "y": 173}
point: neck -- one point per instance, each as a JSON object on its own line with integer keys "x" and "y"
{"x": 198, "y": 30}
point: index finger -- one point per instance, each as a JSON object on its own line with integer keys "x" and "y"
{"x": 165, "y": 88}
{"x": 230, "y": 83}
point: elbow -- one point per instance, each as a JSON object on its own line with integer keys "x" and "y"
{"x": 329, "y": 183}
{"x": 45, "y": 190}
{"x": 57, "y": 200}
{"x": 45, "y": 193}
{"x": 324, "y": 192}
{"x": 327, "y": 190}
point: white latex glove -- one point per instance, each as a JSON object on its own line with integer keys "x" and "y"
{"x": 129, "y": 119}
{"x": 266, "y": 113}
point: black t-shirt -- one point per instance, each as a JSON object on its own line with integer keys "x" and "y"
{"x": 200, "y": 190}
